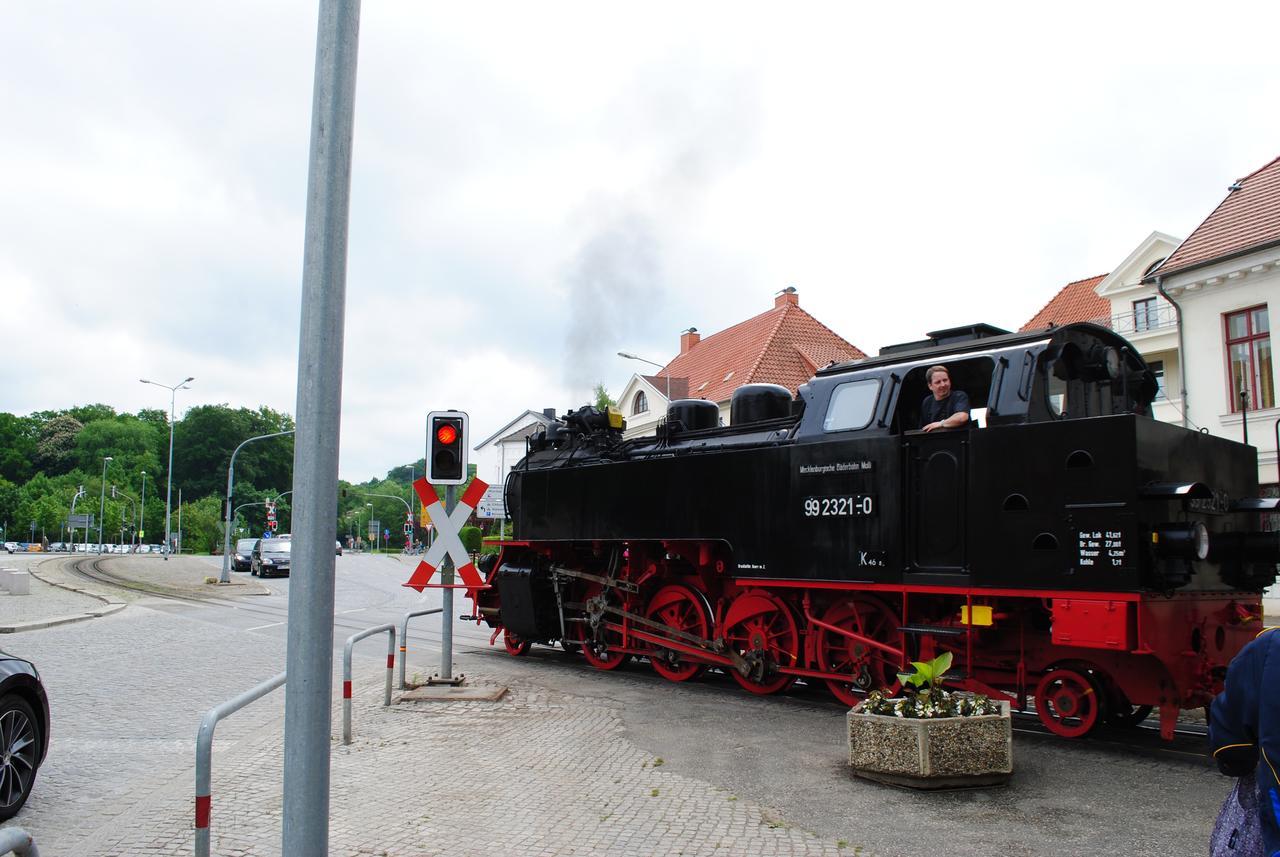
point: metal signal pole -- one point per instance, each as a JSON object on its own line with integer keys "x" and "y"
{"x": 309, "y": 687}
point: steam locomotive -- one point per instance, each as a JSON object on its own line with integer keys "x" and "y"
{"x": 1065, "y": 547}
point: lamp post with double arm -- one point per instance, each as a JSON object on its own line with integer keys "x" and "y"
{"x": 102, "y": 500}
{"x": 231, "y": 471}
{"x": 168, "y": 494}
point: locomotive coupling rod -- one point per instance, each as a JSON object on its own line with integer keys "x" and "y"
{"x": 595, "y": 578}
{"x": 714, "y": 646}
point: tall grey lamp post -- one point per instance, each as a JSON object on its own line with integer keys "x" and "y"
{"x": 102, "y": 501}
{"x": 168, "y": 493}
{"x": 231, "y": 470}
{"x": 375, "y": 532}
{"x": 630, "y": 356}
{"x": 142, "y": 512}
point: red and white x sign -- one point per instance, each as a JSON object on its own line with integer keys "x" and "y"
{"x": 447, "y": 540}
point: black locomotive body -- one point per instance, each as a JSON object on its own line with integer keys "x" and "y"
{"x": 1065, "y": 545}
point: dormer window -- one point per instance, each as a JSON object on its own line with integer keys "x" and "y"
{"x": 640, "y": 404}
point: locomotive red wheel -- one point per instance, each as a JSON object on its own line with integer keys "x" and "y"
{"x": 759, "y": 627}
{"x": 1067, "y": 703}
{"x": 681, "y": 609}
{"x": 515, "y": 646}
{"x": 601, "y": 645}
{"x": 869, "y": 668}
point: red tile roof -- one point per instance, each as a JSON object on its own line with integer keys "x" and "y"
{"x": 782, "y": 346}
{"x": 1247, "y": 219}
{"x": 1074, "y": 302}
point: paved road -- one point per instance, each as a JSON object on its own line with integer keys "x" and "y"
{"x": 572, "y": 762}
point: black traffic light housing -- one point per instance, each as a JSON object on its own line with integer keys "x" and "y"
{"x": 446, "y": 447}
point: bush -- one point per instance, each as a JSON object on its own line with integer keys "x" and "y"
{"x": 471, "y": 539}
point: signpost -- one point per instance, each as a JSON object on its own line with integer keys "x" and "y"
{"x": 492, "y": 504}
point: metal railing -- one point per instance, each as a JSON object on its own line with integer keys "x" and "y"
{"x": 404, "y": 637}
{"x": 204, "y": 755}
{"x": 1140, "y": 321}
{"x": 346, "y": 672}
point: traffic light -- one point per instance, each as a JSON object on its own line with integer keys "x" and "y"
{"x": 446, "y": 447}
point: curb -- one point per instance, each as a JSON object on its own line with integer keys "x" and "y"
{"x": 108, "y": 608}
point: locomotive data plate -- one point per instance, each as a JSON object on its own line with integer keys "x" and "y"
{"x": 844, "y": 506}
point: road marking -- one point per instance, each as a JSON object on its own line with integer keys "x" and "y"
{"x": 357, "y": 610}
{"x": 260, "y": 627}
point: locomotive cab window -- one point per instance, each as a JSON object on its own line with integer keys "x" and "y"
{"x": 972, "y": 376}
{"x": 852, "y": 406}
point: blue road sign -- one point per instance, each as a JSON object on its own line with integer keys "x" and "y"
{"x": 386, "y": 534}
{"x": 267, "y": 534}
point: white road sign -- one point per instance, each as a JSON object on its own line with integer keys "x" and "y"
{"x": 491, "y": 505}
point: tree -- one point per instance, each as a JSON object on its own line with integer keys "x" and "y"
{"x": 18, "y": 437}
{"x": 602, "y": 398}
{"x": 55, "y": 450}
{"x": 128, "y": 440}
{"x": 202, "y": 525}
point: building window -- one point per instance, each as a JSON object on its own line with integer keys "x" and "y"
{"x": 1157, "y": 369}
{"x": 1248, "y": 335}
{"x": 1144, "y": 314}
{"x": 640, "y": 404}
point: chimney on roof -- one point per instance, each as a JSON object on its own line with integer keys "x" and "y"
{"x": 786, "y": 296}
{"x": 549, "y": 413}
{"x": 689, "y": 338}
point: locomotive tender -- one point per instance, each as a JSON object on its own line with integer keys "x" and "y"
{"x": 1065, "y": 546}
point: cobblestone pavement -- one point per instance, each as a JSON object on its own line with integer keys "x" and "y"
{"x": 571, "y": 761}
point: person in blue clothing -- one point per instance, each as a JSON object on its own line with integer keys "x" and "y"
{"x": 943, "y": 408}
{"x": 1244, "y": 727}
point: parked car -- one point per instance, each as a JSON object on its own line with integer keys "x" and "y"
{"x": 11, "y": 546}
{"x": 242, "y": 558}
{"x": 24, "y": 731}
{"x": 338, "y": 545}
{"x": 271, "y": 556}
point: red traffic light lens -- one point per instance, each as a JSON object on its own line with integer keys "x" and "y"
{"x": 446, "y": 434}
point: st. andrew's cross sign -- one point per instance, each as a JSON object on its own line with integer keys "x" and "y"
{"x": 447, "y": 542}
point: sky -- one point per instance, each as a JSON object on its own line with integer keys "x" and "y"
{"x": 536, "y": 187}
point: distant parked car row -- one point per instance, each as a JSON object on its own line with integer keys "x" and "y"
{"x": 92, "y": 547}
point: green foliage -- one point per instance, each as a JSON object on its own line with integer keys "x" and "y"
{"x": 55, "y": 449}
{"x": 601, "y": 397}
{"x": 923, "y": 696}
{"x": 928, "y": 674}
{"x": 18, "y": 437}
{"x": 471, "y": 538}
{"x": 201, "y": 525}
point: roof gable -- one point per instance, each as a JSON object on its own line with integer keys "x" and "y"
{"x": 1247, "y": 219}
{"x": 1075, "y": 301}
{"x": 1129, "y": 274}
{"x": 528, "y": 417}
{"x": 783, "y": 345}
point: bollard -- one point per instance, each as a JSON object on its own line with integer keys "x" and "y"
{"x": 204, "y": 756}
{"x": 346, "y": 672}
{"x": 404, "y": 638}
{"x": 17, "y": 582}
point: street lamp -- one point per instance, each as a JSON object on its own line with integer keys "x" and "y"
{"x": 630, "y": 356}
{"x": 408, "y": 510}
{"x": 375, "y": 532}
{"x": 142, "y": 512}
{"x": 231, "y": 470}
{"x": 168, "y": 495}
{"x": 102, "y": 501}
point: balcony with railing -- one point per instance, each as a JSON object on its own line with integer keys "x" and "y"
{"x": 1140, "y": 320}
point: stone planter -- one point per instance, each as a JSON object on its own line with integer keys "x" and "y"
{"x": 941, "y": 753}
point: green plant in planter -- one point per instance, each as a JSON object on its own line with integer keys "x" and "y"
{"x": 924, "y": 697}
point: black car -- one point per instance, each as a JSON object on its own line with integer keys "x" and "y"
{"x": 24, "y": 731}
{"x": 242, "y": 557}
{"x": 271, "y": 557}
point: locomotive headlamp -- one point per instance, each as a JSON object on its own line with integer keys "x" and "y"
{"x": 1188, "y": 541}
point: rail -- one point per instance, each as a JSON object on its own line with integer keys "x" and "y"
{"x": 404, "y": 637}
{"x": 346, "y": 672}
{"x": 204, "y": 755}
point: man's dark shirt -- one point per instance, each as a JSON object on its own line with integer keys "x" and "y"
{"x": 933, "y": 410}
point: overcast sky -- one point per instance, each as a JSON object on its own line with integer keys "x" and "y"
{"x": 538, "y": 186}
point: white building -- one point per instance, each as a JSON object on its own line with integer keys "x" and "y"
{"x": 497, "y": 454}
